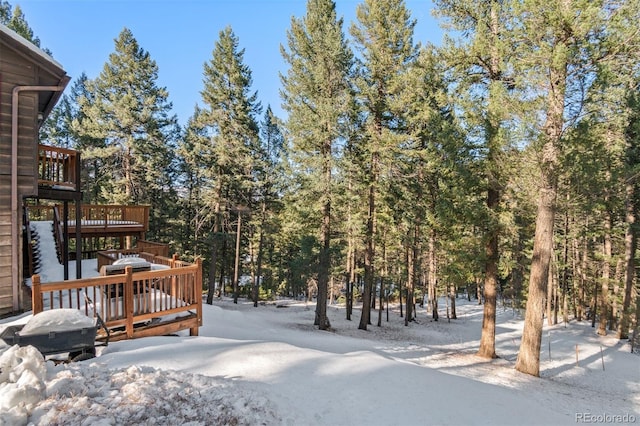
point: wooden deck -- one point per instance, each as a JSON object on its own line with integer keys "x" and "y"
{"x": 132, "y": 305}
{"x": 110, "y": 221}
{"x": 97, "y": 219}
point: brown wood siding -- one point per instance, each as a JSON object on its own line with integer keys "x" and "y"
{"x": 17, "y": 71}
{"x": 20, "y": 65}
{"x": 6, "y": 301}
{"x": 24, "y": 186}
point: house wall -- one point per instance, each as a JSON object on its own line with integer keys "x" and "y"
{"x": 15, "y": 70}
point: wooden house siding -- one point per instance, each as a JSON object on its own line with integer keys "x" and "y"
{"x": 21, "y": 64}
{"x": 16, "y": 71}
{"x": 6, "y": 293}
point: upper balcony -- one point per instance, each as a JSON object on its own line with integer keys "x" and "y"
{"x": 58, "y": 173}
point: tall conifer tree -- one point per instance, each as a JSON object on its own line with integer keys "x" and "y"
{"x": 14, "y": 18}
{"x": 482, "y": 67}
{"x": 384, "y": 37}
{"x": 229, "y": 118}
{"x": 565, "y": 45}
{"x": 126, "y": 109}
{"x": 317, "y": 96}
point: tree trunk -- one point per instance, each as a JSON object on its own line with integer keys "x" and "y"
{"x": 369, "y": 254}
{"x": 223, "y": 266}
{"x": 549, "y": 304}
{"x": 350, "y": 276}
{"x": 322, "y": 321}
{"x": 260, "y": 255}
{"x": 617, "y": 279}
{"x": 529, "y": 355}
{"x": 565, "y": 269}
{"x": 411, "y": 257}
{"x": 584, "y": 261}
{"x": 488, "y": 338}
{"x": 382, "y": 276}
{"x": 236, "y": 268}
{"x": 381, "y": 307}
{"x": 630, "y": 247}
{"x": 433, "y": 270}
{"x": 556, "y": 292}
{"x": 606, "y": 271}
{"x": 453, "y": 295}
{"x": 492, "y": 128}
{"x": 400, "y": 299}
{"x": 213, "y": 262}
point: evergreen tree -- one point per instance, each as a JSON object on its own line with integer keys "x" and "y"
{"x": 193, "y": 181}
{"x": 56, "y": 130}
{"x": 384, "y": 37}
{"x": 317, "y": 96}
{"x": 96, "y": 154}
{"x": 14, "y": 19}
{"x": 126, "y": 109}
{"x": 270, "y": 186}
{"x": 229, "y": 119}
{"x": 426, "y": 174}
{"x": 482, "y": 66}
{"x": 564, "y": 46}
{"x": 632, "y": 209}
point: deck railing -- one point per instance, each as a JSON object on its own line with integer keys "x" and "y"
{"x": 132, "y": 304}
{"x": 105, "y": 215}
{"x": 157, "y": 249}
{"x": 107, "y": 257}
{"x": 40, "y": 212}
{"x": 58, "y": 167}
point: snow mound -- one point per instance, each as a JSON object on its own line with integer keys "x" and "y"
{"x": 33, "y": 391}
{"x": 22, "y": 383}
{"x": 57, "y": 320}
{"x": 90, "y": 395}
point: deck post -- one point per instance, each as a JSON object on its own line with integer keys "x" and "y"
{"x": 128, "y": 300}
{"x": 197, "y": 290}
{"x": 36, "y": 294}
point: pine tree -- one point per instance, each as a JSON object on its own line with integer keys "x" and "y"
{"x": 425, "y": 175}
{"x": 317, "y": 96}
{"x": 632, "y": 208}
{"x": 15, "y": 20}
{"x": 96, "y": 155}
{"x": 125, "y": 108}
{"x": 384, "y": 37}
{"x": 192, "y": 172}
{"x": 564, "y": 47}
{"x": 482, "y": 65}
{"x": 229, "y": 119}
{"x": 269, "y": 176}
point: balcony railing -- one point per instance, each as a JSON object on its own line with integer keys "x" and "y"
{"x": 58, "y": 168}
{"x": 112, "y": 216}
{"x": 152, "y": 303}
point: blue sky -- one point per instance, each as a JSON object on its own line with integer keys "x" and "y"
{"x": 180, "y": 36}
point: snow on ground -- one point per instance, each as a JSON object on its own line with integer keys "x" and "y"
{"x": 270, "y": 366}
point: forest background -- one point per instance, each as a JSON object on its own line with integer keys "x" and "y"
{"x": 502, "y": 164}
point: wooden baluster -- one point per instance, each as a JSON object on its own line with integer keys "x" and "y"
{"x": 36, "y": 295}
{"x": 128, "y": 300}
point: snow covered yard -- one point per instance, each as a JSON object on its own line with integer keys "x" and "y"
{"x": 269, "y": 365}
